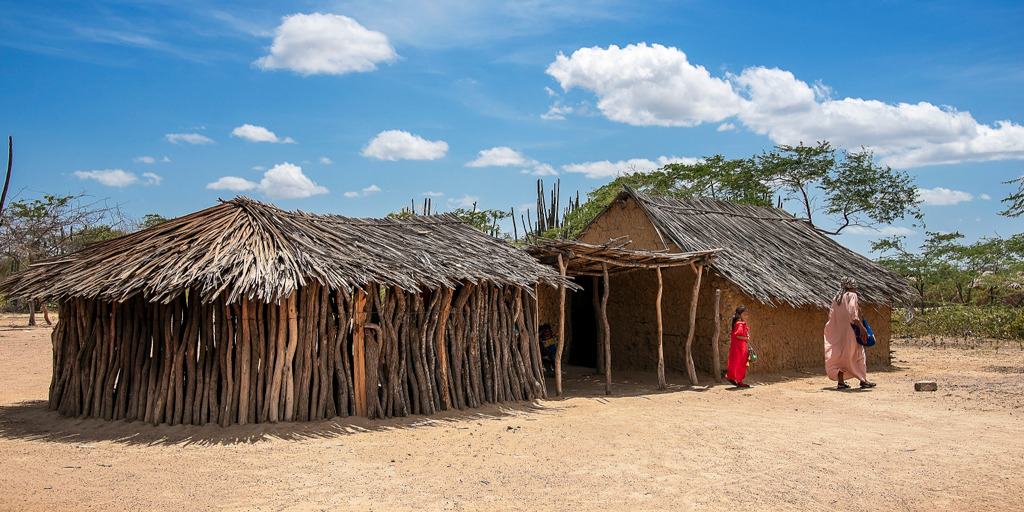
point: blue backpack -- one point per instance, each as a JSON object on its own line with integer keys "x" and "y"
{"x": 871, "y": 334}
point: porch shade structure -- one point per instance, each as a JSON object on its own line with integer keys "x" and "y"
{"x": 576, "y": 259}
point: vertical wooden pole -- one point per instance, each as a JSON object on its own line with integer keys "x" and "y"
{"x": 607, "y": 333}
{"x": 244, "y": 342}
{"x": 717, "y": 362}
{"x": 599, "y": 339}
{"x": 698, "y": 270}
{"x": 441, "y": 347}
{"x": 661, "y": 334}
{"x": 561, "y": 328}
{"x": 358, "y": 354}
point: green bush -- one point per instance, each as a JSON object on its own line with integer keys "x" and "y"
{"x": 962, "y": 321}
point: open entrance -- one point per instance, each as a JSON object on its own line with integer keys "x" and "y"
{"x": 584, "y": 325}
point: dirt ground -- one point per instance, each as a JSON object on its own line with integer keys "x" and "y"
{"x": 790, "y": 443}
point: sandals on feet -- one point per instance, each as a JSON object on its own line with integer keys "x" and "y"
{"x": 742, "y": 385}
{"x": 867, "y": 385}
{"x": 842, "y": 385}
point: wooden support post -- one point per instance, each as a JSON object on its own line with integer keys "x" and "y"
{"x": 716, "y": 358}
{"x": 358, "y": 354}
{"x": 244, "y": 343}
{"x": 607, "y": 333}
{"x": 661, "y": 334}
{"x": 599, "y": 339}
{"x": 698, "y": 270}
{"x": 561, "y": 328}
{"x": 441, "y": 347}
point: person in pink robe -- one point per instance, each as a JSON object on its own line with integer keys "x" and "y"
{"x": 845, "y": 357}
{"x": 739, "y": 349}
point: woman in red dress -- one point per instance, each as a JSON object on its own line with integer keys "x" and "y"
{"x": 738, "y": 350}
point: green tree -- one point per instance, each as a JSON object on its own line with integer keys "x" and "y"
{"x": 1014, "y": 201}
{"x": 152, "y": 219}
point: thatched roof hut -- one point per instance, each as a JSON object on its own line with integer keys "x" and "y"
{"x": 245, "y": 313}
{"x": 783, "y": 270}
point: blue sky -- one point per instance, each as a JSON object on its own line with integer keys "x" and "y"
{"x": 357, "y": 107}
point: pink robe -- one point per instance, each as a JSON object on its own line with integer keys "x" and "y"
{"x": 842, "y": 352}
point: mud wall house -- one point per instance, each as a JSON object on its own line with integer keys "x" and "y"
{"x": 783, "y": 270}
{"x": 245, "y": 313}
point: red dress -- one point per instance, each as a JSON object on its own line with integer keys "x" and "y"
{"x": 736, "y": 370}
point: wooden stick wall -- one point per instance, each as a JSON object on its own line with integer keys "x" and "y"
{"x": 317, "y": 354}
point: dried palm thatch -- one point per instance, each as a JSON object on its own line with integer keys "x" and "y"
{"x": 245, "y": 248}
{"x": 768, "y": 253}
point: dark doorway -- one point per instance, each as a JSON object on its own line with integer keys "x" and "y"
{"x": 584, "y": 325}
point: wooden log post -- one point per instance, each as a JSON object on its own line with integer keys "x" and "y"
{"x": 698, "y": 269}
{"x": 661, "y": 333}
{"x": 606, "y": 332}
{"x": 441, "y": 348}
{"x": 599, "y": 340}
{"x": 358, "y": 354}
{"x": 244, "y": 344}
{"x": 716, "y": 361}
{"x": 561, "y": 327}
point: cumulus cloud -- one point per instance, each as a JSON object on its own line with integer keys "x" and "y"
{"x": 148, "y": 160}
{"x": 326, "y": 161}
{"x": 645, "y": 85}
{"x": 607, "y": 169}
{"x": 556, "y": 112}
{"x": 401, "y": 145}
{"x": 255, "y": 133}
{"x": 985, "y": 197}
{"x": 233, "y": 183}
{"x": 118, "y": 177}
{"x": 940, "y": 196}
{"x": 367, "y": 191}
{"x": 430, "y": 193}
{"x": 654, "y": 85}
{"x": 500, "y": 156}
{"x": 330, "y": 44}
{"x": 282, "y": 181}
{"x": 725, "y": 127}
{"x": 188, "y": 138}
{"x": 504, "y": 156}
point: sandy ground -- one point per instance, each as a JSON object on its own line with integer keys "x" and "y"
{"x": 790, "y": 443}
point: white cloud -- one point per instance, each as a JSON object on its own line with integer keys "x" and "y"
{"x": 539, "y": 169}
{"x": 255, "y": 133}
{"x": 884, "y": 230}
{"x": 504, "y": 156}
{"x": 940, "y": 196}
{"x": 188, "y": 138}
{"x": 233, "y": 183}
{"x": 466, "y": 201}
{"x": 647, "y": 85}
{"x": 331, "y": 44}
{"x": 556, "y": 112}
{"x": 654, "y": 85}
{"x": 401, "y": 145}
{"x": 117, "y": 177}
{"x": 607, "y": 169}
{"x": 258, "y": 168}
{"x": 166, "y": 159}
{"x": 726, "y": 127}
{"x": 326, "y": 161}
{"x": 433, "y": 194}
{"x": 152, "y": 178}
{"x": 500, "y": 156}
{"x": 148, "y": 160}
{"x": 366, "y": 191}
{"x": 282, "y": 181}
{"x": 985, "y": 197}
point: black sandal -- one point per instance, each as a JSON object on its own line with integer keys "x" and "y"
{"x": 867, "y": 385}
{"x": 842, "y": 385}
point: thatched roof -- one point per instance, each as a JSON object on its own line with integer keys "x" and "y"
{"x": 583, "y": 259}
{"x": 245, "y": 248}
{"x": 768, "y": 253}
